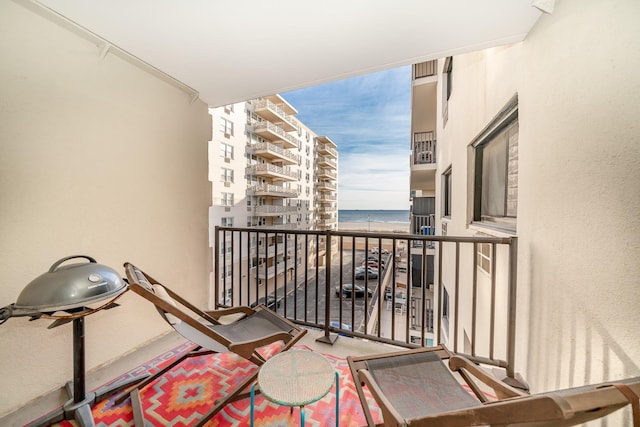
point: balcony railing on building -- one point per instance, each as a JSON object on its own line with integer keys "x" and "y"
{"x": 275, "y": 113}
{"x": 272, "y": 190}
{"x": 267, "y": 210}
{"x": 425, "y": 69}
{"x": 274, "y": 132}
{"x": 272, "y": 151}
{"x": 273, "y": 171}
{"x": 326, "y": 173}
{"x": 424, "y": 148}
{"x": 326, "y": 161}
{"x": 415, "y": 299}
{"x": 326, "y": 149}
{"x": 326, "y": 186}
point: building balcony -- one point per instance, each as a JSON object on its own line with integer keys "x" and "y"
{"x": 270, "y": 210}
{"x": 326, "y": 186}
{"x": 276, "y": 173}
{"x": 326, "y": 161}
{"x": 273, "y": 152}
{"x": 325, "y": 173}
{"x": 326, "y": 146}
{"x": 327, "y": 198}
{"x": 274, "y": 132}
{"x": 272, "y": 190}
{"x": 423, "y": 151}
{"x": 275, "y": 113}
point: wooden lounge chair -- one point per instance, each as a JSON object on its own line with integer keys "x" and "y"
{"x": 257, "y": 327}
{"x": 415, "y": 388}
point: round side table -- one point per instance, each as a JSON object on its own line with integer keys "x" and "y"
{"x": 296, "y": 378}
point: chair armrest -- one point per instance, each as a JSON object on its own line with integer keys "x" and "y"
{"x": 246, "y": 349}
{"x": 501, "y": 389}
{"x": 217, "y": 314}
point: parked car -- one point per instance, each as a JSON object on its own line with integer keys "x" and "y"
{"x": 349, "y": 288}
{"x": 372, "y": 273}
{"x": 272, "y": 302}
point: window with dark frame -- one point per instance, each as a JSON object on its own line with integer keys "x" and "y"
{"x": 447, "y": 189}
{"x": 447, "y": 88}
{"x": 495, "y": 199}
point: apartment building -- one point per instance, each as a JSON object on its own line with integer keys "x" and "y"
{"x": 499, "y": 148}
{"x": 268, "y": 170}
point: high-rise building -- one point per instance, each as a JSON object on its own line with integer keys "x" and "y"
{"x": 268, "y": 170}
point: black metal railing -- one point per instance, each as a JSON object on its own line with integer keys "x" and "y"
{"x": 402, "y": 289}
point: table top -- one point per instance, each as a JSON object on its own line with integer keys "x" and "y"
{"x": 296, "y": 377}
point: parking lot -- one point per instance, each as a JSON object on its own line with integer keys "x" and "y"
{"x": 308, "y": 303}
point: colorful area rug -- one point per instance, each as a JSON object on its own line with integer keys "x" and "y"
{"x": 185, "y": 393}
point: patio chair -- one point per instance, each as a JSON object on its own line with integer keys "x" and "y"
{"x": 255, "y": 328}
{"x": 415, "y": 388}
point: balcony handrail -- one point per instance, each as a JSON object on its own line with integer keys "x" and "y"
{"x": 263, "y": 124}
{"x": 269, "y": 167}
{"x": 259, "y": 146}
{"x": 424, "y": 148}
{"x": 314, "y": 247}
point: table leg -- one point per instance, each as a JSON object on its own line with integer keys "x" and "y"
{"x": 301, "y": 415}
{"x": 253, "y": 395}
{"x": 337, "y": 399}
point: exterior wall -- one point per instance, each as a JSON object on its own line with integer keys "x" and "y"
{"x": 97, "y": 157}
{"x": 579, "y": 185}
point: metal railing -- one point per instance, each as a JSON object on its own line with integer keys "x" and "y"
{"x": 424, "y": 148}
{"x": 324, "y": 282}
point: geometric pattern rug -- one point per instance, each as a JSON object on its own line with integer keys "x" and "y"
{"x": 184, "y": 394}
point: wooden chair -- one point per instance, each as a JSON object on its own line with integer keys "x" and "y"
{"x": 415, "y": 388}
{"x": 256, "y": 327}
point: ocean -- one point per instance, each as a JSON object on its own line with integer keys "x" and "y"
{"x": 388, "y": 216}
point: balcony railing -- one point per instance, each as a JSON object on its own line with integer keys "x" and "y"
{"x": 274, "y": 210}
{"x": 278, "y": 110}
{"x": 465, "y": 306}
{"x": 274, "y": 151}
{"x": 274, "y": 132}
{"x": 272, "y": 170}
{"x": 271, "y": 190}
{"x": 424, "y": 148}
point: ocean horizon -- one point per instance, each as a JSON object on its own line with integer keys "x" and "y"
{"x": 374, "y": 215}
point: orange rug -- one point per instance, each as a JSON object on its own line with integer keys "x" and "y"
{"x": 185, "y": 393}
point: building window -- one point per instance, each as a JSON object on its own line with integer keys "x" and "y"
{"x": 446, "y": 192}
{"x": 227, "y": 199}
{"x": 228, "y": 108}
{"x": 447, "y": 87}
{"x": 495, "y": 198}
{"x": 226, "y": 126}
{"x": 226, "y": 175}
{"x": 226, "y": 221}
{"x": 226, "y": 151}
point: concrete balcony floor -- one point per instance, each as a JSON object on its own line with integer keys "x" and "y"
{"x": 343, "y": 347}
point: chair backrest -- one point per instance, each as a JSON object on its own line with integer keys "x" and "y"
{"x": 257, "y": 328}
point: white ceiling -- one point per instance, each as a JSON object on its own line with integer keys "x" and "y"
{"x": 234, "y": 50}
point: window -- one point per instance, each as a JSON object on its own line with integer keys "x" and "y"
{"x": 226, "y": 221}
{"x": 446, "y": 192}
{"x": 495, "y": 198}
{"x": 226, "y": 126}
{"x": 227, "y": 199}
{"x": 228, "y": 108}
{"x": 447, "y": 87}
{"x": 226, "y": 175}
{"x": 226, "y": 151}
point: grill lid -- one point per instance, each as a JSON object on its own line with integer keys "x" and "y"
{"x": 70, "y": 286}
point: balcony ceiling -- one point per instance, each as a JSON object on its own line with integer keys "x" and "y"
{"x": 237, "y": 50}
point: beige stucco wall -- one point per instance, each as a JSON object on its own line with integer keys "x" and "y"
{"x": 97, "y": 157}
{"x": 576, "y": 75}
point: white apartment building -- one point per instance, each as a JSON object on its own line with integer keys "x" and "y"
{"x": 268, "y": 171}
{"x": 536, "y": 140}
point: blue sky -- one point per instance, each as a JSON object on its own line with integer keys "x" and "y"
{"x": 369, "y": 118}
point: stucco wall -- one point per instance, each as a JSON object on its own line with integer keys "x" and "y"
{"x": 580, "y": 193}
{"x": 97, "y": 157}
{"x": 576, "y": 75}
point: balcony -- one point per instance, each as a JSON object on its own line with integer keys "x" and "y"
{"x": 274, "y": 132}
{"x": 276, "y": 173}
{"x": 326, "y": 186}
{"x": 272, "y": 152}
{"x": 424, "y": 148}
{"x": 326, "y": 161}
{"x": 275, "y": 113}
{"x": 270, "y": 210}
{"x": 326, "y": 149}
{"x": 272, "y": 190}
{"x": 326, "y": 173}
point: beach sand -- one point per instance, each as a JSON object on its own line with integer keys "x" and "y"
{"x": 374, "y": 227}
